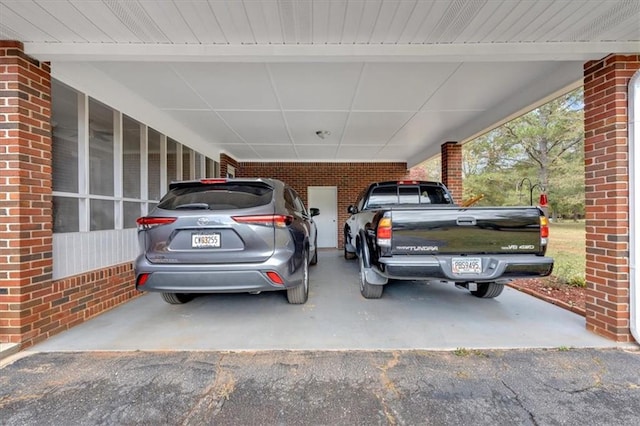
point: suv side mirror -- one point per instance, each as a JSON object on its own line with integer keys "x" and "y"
{"x": 314, "y": 211}
{"x": 352, "y": 209}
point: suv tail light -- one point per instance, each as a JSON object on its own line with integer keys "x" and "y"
{"x": 147, "y": 222}
{"x": 383, "y": 233}
{"x": 275, "y": 277}
{"x": 275, "y": 220}
{"x": 212, "y": 181}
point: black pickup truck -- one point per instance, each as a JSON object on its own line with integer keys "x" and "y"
{"x": 412, "y": 230}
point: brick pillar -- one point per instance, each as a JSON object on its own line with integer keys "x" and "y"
{"x": 451, "y": 155}
{"x": 25, "y": 192}
{"x": 225, "y": 161}
{"x": 607, "y": 194}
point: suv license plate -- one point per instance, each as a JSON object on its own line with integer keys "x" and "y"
{"x": 466, "y": 265}
{"x": 205, "y": 240}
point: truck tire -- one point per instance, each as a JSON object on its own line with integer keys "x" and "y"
{"x": 299, "y": 295}
{"x": 177, "y": 298}
{"x": 347, "y": 254}
{"x": 368, "y": 291}
{"x": 488, "y": 290}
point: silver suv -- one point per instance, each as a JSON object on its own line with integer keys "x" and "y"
{"x": 227, "y": 236}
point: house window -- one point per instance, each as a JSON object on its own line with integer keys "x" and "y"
{"x": 107, "y": 167}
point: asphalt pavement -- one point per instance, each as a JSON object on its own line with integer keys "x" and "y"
{"x": 424, "y": 354}
{"x": 479, "y": 387}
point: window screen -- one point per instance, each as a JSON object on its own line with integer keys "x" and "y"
{"x": 130, "y": 157}
{"x": 64, "y": 122}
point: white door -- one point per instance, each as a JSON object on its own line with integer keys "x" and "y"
{"x": 325, "y": 198}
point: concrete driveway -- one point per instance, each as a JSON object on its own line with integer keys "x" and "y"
{"x": 338, "y": 360}
{"x": 410, "y": 315}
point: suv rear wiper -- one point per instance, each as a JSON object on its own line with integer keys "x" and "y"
{"x": 193, "y": 206}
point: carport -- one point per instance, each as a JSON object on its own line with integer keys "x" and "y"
{"x": 326, "y": 95}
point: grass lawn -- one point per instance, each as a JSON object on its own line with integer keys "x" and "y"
{"x": 567, "y": 247}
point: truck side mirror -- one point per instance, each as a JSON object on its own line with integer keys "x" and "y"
{"x": 314, "y": 211}
{"x": 352, "y": 209}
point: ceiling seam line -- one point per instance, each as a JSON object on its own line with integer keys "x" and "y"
{"x": 413, "y": 9}
{"x": 211, "y": 109}
{"x": 353, "y": 100}
{"x": 393, "y": 18}
{"x": 17, "y": 14}
{"x": 60, "y": 22}
{"x": 215, "y": 16}
{"x": 246, "y": 14}
{"x": 419, "y": 108}
{"x": 373, "y": 29}
{"x": 284, "y": 119}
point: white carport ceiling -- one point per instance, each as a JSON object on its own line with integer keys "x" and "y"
{"x": 390, "y": 79}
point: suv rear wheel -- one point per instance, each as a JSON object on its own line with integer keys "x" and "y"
{"x": 299, "y": 295}
{"x": 177, "y": 298}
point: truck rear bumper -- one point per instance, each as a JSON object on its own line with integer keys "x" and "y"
{"x": 494, "y": 267}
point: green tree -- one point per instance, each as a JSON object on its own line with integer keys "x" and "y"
{"x": 552, "y": 136}
{"x": 542, "y": 149}
{"x": 427, "y": 170}
{"x": 487, "y": 168}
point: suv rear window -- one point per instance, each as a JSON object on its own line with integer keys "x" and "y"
{"x": 216, "y": 197}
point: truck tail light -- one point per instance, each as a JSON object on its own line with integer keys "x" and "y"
{"x": 275, "y": 220}
{"x": 383, "y": 233}
{"x": 148, "y": 222}
{"x": 544, "y": 230}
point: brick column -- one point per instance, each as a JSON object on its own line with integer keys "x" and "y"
{"x": 25, "y": 192}
{"x": 451, "y": 156}
{"x": 225, "y": 161}
{"x": 607, "y": 194}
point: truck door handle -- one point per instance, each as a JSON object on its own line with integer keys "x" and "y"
{"x": 466, "y": 221}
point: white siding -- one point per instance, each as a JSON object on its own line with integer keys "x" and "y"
{"x": 78, "y": 252}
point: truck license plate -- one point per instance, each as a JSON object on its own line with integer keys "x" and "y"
{"x": 205, "y": 240}
{"x": 466, "y": 265}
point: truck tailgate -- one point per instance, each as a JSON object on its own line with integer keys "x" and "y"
{"x": 454, "y": 230}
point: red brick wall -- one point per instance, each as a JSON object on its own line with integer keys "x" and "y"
{"x": 25, "y": 190}
{"x": 349, "y": 178}
{"x": 73, "y": 300}
{"x": 451, "y": 163}
{"x": 32, "y": 306}
{"x": 225, "y": 161}
{"x": 607, "y": 194}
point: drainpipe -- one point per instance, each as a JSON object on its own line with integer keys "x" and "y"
{"x": 634, "y": 212}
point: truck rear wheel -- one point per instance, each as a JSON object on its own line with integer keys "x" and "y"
{"x": 368, "y": 291}
{"x": 488, "y": 290}
{"x": 348, "y": 255}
